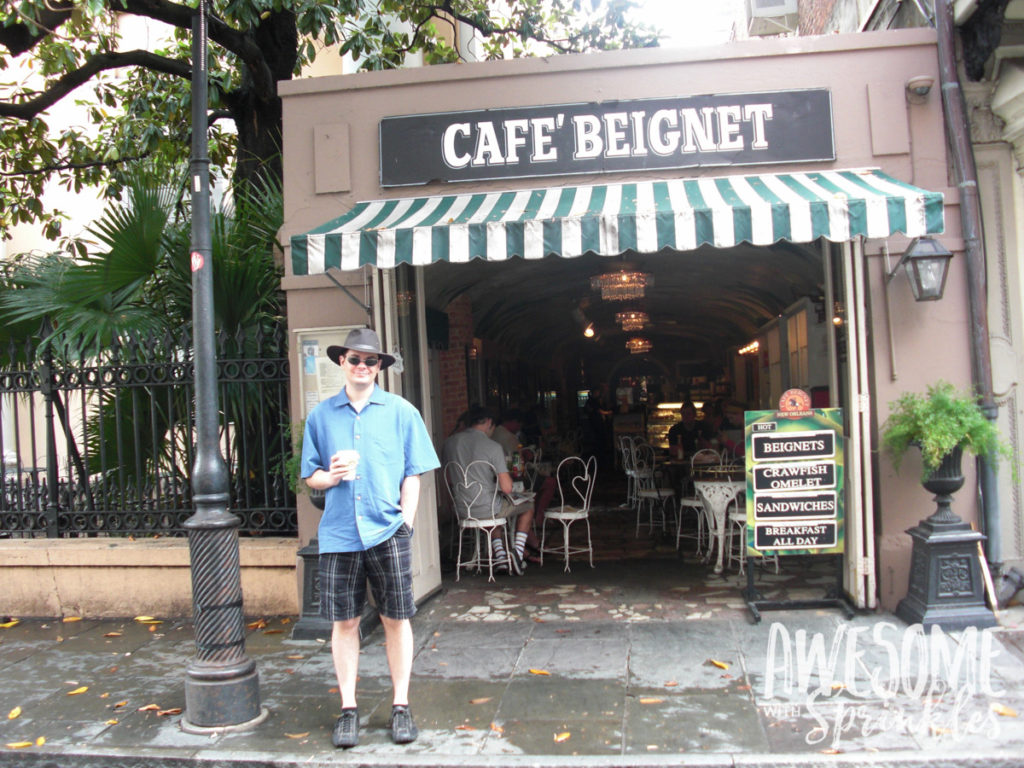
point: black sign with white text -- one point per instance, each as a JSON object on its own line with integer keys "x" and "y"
{"x": 768, "y": 506}
{"x": 640, "y": 134}
{"x": 774, "y": 446}
{"x": 817, "y": 535}
{"x": 802, "y": 476}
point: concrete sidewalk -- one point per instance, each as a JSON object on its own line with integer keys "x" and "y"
{"x": 640, "y": 662}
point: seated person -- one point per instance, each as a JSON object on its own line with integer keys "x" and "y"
{"x": 688, "y": 434}
{"x": 506, "y": 434}
{"x": 473, "y": 444}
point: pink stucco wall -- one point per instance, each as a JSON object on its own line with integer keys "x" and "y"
{"x": 874, "y": 127}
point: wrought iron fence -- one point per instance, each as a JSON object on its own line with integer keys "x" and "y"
{"x": 102, "y": 445}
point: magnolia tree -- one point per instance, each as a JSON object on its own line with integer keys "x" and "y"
{"x": 138, "y": 108}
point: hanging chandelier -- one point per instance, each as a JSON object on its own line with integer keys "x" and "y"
{"x": 622, "y": 285}
{"x": 638, "y": 345}
{"x": 632, "y": 320}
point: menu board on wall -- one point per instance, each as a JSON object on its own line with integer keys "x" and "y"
{"x": 794, "y": 462}
{"x": 319, "y": 376}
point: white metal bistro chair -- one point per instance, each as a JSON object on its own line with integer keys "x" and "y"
{"x": 474, "y": 490}
{"x": 650, "y": 494}
{"x": 691, "y": 502}
{"x": 575, "y": 488}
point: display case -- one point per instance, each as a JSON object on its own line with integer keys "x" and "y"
{"x": 659, "y": 422}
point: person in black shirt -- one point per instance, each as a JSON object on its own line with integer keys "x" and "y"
{"x": 688, "y": 433}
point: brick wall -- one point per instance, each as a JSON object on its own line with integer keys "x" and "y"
{"x": 454, "y": 388}
{"x": 815, "y": 16}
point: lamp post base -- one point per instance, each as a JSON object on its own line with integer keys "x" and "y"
{"x": 216, "y": 702}
{"x": 947, "y": 589}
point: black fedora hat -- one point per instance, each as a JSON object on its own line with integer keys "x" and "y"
{"x": 361, "y": 340}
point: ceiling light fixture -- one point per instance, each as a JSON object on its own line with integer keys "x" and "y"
{"x": 632, "y": 320}
{"x": 638, "y": 345}
{"x": 622, "y": 285}
{"x": 750, "y": 349}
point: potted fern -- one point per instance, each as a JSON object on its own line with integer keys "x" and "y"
{"x": 942, "y": 423}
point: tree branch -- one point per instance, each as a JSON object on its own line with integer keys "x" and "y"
{"x": 70, "y": 166}
{"x": 26, "y": 110}
{"x": 19, "y": 37}
{"x": 563, "y": 46}
{"x": 239, "y": 43}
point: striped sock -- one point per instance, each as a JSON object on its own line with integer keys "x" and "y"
{"x": 520, "y": 542}
{"x": 498, "y": 547}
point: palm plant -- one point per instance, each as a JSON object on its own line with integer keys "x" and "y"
{"x": 136, "y": 283}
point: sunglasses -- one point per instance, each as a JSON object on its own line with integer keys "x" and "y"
{"x": 355, "y": 360}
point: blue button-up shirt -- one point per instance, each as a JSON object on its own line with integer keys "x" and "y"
{"x": 393, "y": 444}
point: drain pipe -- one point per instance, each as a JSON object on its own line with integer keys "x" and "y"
{"x": 958, "y": 131}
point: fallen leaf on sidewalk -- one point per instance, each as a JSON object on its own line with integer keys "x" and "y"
{"x": 671, "y": 684}
{"x": 464, "y": 727}
{"x": 104, "y": 695}
{"x": 258, "y": 624}
{"x": 18, "y": 744}
{"x": 149, "y": 708}
{"x": 171, "y": 711}
{"x": 302, "y": 735}
{"x": 719, "y": 664}
{"x": 838, "y": 686}
{"x": 831, "y": 751}
{"x": 295, "y": 656}
{"x": 650, "y": 700}
{"x": 563, "y": 736}
{"x": 1002, "y": 709}
{"x": 144, "y": 619}
{"x": 40, "y": 741}
{"x": 497, "y": 728}
{"x": 112, "y": 721}
{"x": 70, "y": 619}
{"x": 120, "y": 704}
{"x": 113, "y": 634}
{"x": 16, "y": 712}
{"x": 539, "y": 672}
{"x": 286, "y": 620}
{"x": 79, "y": 690}
{"x": 482, "y": 700}
{"x": 273, "y": 632}
{"x": 9, "y": 624}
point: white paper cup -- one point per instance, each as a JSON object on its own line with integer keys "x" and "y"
{"x": 348, "y": 460}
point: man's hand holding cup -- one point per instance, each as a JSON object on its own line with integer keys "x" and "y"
{"x": 343, "y": 465}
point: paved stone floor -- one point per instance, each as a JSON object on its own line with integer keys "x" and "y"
{"x": 646, "y": 659}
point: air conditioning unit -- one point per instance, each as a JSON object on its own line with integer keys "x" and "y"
{"x": 771, "y": 17}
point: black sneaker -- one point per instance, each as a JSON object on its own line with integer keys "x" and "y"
{"x": 518, "y": 566}
{"x": 346, "y": 729}
{"x": 403, "y": 729}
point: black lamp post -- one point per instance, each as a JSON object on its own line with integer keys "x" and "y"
{"x": 221, "y": 684}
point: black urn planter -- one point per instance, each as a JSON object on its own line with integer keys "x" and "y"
{"x": 946, "y": 585}
{"x": 311, "y": 626}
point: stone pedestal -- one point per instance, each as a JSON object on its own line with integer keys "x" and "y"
{"x": 947, "y": 588}
{"x": 946, "y": 585}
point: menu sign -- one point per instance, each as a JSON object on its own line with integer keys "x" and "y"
{"x": 795, "y": 479}
{"x": 628, "y": 135}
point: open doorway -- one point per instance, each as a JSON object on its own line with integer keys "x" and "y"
{"x": 730, "y": 327}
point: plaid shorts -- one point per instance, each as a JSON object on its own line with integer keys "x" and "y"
{"x": 387, "y": 566}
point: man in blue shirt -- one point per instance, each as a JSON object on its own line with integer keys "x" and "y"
{"x": 366, "y": 448}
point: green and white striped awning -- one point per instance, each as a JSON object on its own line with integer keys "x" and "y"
{"x": 643, "y": 216}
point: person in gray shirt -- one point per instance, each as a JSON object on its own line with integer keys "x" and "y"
{"x": 481, "y": 492}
